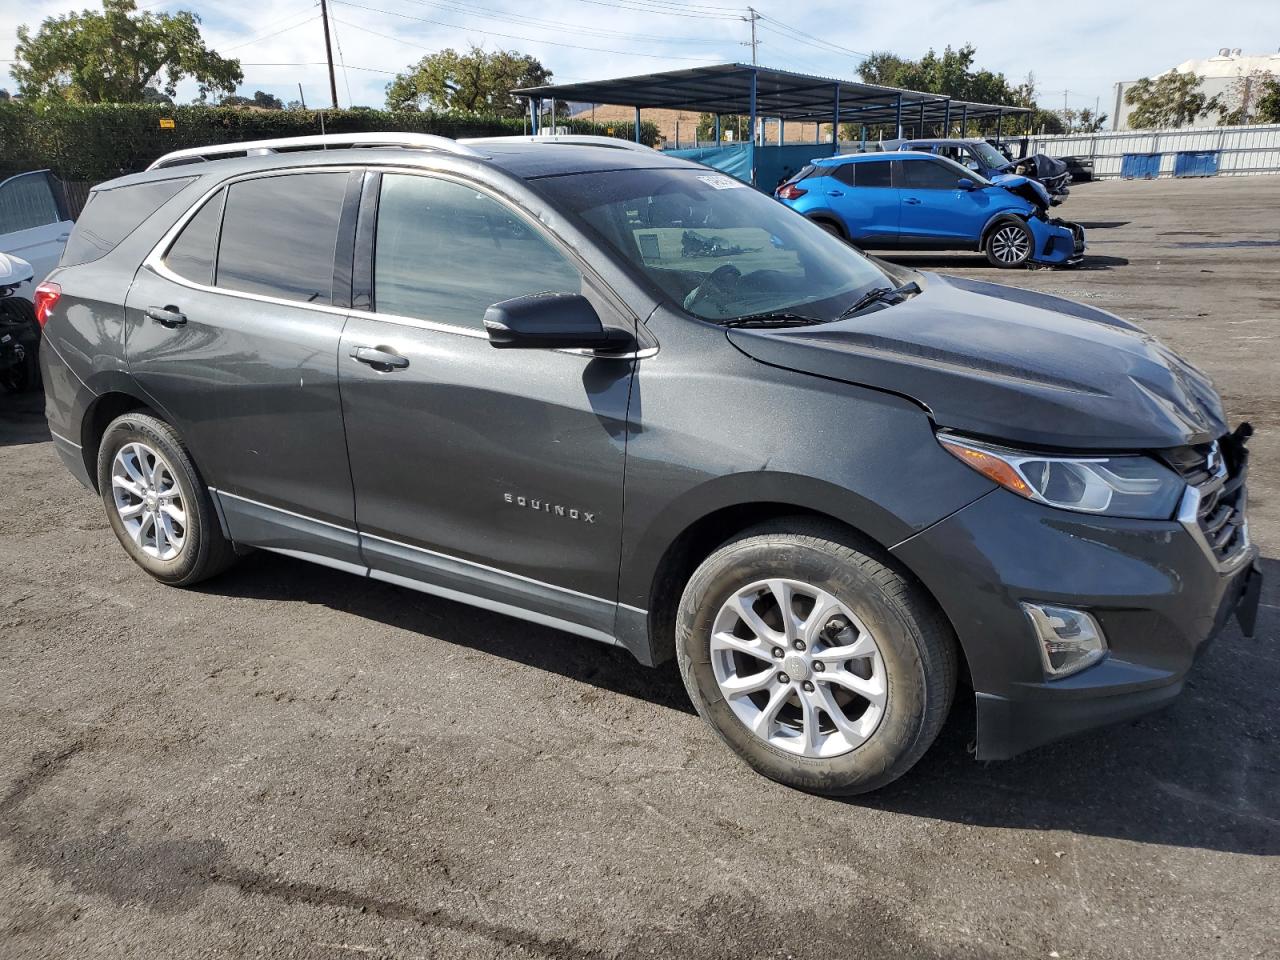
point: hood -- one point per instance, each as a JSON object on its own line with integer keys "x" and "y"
{"x": 1009, "y": 365}
{"x": 1029, "y": 190}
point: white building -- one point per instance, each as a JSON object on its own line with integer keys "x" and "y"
{"x": 1221, "y": 74}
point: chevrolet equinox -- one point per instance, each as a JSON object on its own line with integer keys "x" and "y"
{"x": 629, "y": 397}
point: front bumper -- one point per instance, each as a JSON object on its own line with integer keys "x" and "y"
{"x": 1156, "y": 591}
{"x": 1059, "y": 243}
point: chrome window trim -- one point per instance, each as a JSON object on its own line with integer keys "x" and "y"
{"x": 154, "y": 261}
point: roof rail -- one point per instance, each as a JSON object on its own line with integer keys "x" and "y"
{"x": 574, "y": 139}
{"x": 330, "y": 141}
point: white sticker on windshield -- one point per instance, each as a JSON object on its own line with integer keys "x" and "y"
{"x": 720, "y": 182}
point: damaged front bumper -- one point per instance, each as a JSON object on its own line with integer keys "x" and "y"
{"x": 1059, "y": 243}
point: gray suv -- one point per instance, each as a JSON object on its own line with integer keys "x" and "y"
{"x": 629, "y": 397}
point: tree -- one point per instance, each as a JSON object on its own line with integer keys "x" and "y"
{"x": 1243, "y": 100}
{"x": 1170, "y": 100}
{"x": 4, "y": 95}
{"x": 1268, "y": 109}
{"x": 117, "y": 55}
{"x": 260, "y": 99}
{"x": 472, "y": 82}
{"x": 1083, "y": 121}
{"x": 730, "y": 126}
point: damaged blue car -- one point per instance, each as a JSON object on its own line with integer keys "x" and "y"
{"x": 920, "y": 201}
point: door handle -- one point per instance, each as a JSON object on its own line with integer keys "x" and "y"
{"x": 169, "y": 316}
{"x": 377, "y": 357}
{"x": 835, "y": 193}
{"x": 912, "y": 200}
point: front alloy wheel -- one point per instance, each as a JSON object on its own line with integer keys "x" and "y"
{"x": 798, "y": 668}
{"x": 1010, "y": 244}
{"x": 814, "y": 656}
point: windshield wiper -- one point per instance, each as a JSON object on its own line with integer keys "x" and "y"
{"x": 888, "y": 295}
{"x": 780, "y": 318}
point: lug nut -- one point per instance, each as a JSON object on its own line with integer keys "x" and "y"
{"x": 799, "y": 644}
{"x": 808, "y": 686}
{"x": 777, "y": 653}
{"x": 783, "y": 678}
{"x": 819, "y": 666}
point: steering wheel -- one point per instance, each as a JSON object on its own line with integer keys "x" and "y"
{"x": 719, "y": 280}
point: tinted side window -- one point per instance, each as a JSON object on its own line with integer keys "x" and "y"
{"x": 279, "y": 235}
{"x": 927, "y": 175}
{"x": 874, "y": 173}
{"x": 445, "y": 252}
{"x": 193, "y": 253}
{"x": 111, "y": 215}
{"x": 27, "y": 201}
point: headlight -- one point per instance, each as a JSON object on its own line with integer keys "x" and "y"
{"x": 1117, "y": 486}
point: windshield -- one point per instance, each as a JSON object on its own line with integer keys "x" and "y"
{"x": 992, "y": 157}
{"x": 714, "y": 246}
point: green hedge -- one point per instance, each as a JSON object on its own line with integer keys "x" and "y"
{"x": 98, "y": 141}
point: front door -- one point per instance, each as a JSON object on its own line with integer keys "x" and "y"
{"x": 233, "y": 330}
{"x": 490, "y": 476}
{"x": 935, "y": 210}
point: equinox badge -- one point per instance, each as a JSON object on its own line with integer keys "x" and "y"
{"x": 546, "y": 506}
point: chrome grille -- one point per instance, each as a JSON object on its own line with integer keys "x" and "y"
{"x": 1218, "y": 496}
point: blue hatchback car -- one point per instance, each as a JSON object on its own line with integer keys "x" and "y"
{"x": 919, "y": 201}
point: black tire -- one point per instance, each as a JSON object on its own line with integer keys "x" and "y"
{"x": 915, "y": 641}
{"x": 1000, "y": 240}
{"x": 832, "y": 229}
{"x": 204, "y": 551}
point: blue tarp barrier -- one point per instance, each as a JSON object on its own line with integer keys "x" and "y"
{"x": 1140, "y": 166}
{"x": 772, "y": 163}
{"x": 1196, "y": 163}
{"x": 733, "y": 159}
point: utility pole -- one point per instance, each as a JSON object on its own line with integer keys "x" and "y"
{"x": 302, "y": 97}
{"x": 751, "y": 18}
{"x": 328, "y": 50}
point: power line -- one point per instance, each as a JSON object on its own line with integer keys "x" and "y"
{"x": 787, "y": 28}
{"x": 489, "y": 13}
{"x": 319, "y": 63}
{"x": 678, "y": 10}
{"x": 510, "y": 36}
{"x": 268, "y": 36}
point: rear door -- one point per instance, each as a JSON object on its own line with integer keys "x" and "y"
{"x": 868, "y": 201}
{"x": 33, "y": 223}
{"x": 935, "y": 209}
{"x": 491, "y": 476}
{"x": 233, "y": 327}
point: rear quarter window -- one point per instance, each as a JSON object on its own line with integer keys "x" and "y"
{"x": 113, "y": 214}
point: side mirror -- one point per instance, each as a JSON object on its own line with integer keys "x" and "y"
{"x": 964, "y": 183}
{"x": 551, "y": 321}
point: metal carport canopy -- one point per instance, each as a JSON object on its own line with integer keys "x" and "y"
{"x": 727, "y": 89}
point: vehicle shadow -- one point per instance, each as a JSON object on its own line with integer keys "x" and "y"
{"x": 1203, "y": 773}
{"x": 22, "y": 418}
{"x": 977, "y": 261}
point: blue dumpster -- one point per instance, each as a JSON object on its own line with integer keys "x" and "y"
{"x": 1140, "y": 166}
{"x": 1196, "y": 163}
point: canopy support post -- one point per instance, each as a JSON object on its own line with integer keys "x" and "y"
{"x": 999, "y": 123}
{"x": 946, "y": 119}
{"x": 637, "y": 131}
{"x": 835, "y": 124}
{"x": 898, "y": 120}
{"x": 752, "y": 127}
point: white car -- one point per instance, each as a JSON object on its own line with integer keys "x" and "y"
{"x": 34, "y": 223}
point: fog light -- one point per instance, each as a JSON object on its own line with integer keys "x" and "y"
{"x": 1070, "y": 640}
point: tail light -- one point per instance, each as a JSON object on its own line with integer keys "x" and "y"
{"x": 789, "y": 191}
{"x": 46, "y": 298}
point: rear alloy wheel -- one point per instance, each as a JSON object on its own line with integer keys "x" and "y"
{"x": 158, "y": 506}
{"x": 1009, "y": 244}
{"x": 815, "y": 659}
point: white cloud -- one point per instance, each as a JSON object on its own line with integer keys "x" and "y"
{"x": 1084, "y": 46}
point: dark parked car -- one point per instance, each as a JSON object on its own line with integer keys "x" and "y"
{"x": 632, "y": 398}
{"x": 982, "y": 158}
{"x": 1079, "y": 168}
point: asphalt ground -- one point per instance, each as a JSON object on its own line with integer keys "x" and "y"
{"x": 292, "y": 762}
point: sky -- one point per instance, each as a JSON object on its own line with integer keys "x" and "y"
{"x": 1077, "y": 49}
